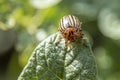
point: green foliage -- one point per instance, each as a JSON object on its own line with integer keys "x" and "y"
{"x": 52, "y": 61}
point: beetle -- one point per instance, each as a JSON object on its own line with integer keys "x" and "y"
{"x": 70, "y": 28}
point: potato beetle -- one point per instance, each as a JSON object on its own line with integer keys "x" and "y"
{"x": 70, "y": 28}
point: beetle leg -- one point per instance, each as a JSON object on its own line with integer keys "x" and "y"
{"x": 58, "y": 41}
{"x": 69, "y": 47}
{"x": 83, "y": 40}
{"x": 66, "y": 42}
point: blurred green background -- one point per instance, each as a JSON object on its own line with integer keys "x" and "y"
{"x": 24, "y": 24}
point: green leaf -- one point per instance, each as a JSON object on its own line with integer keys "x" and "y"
{"x": 52, "y": 61}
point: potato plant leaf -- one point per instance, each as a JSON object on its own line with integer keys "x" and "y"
{"x": 52, "y": 60}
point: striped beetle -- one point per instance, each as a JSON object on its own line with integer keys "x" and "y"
{"x": 70, "y": 28}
